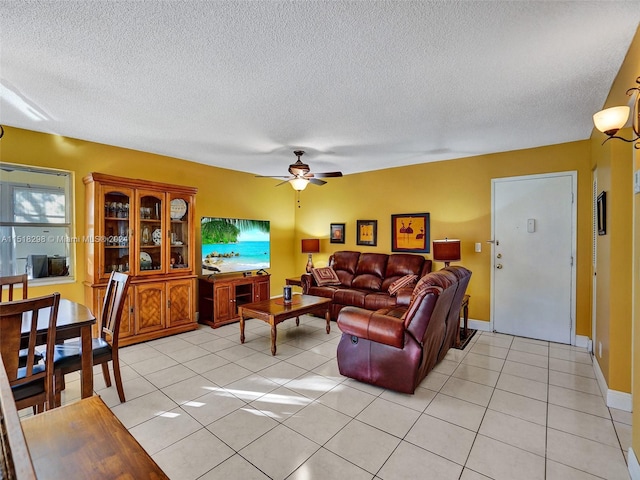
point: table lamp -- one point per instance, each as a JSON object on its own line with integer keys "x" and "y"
{"x": 310, "y": 246}
{"x": 447, "y": 250}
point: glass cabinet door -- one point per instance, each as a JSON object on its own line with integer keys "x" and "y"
{"x": 150, "y": 233}
{"x": 180, "y": 216}
{"x": 116, "y": 229}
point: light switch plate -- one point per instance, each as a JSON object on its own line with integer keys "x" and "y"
{"x": 636, "y": 181}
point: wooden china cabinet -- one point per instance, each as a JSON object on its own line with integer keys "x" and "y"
{"x": 145, "y": 229}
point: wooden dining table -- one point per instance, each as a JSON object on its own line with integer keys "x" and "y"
{"x": 74, "y": 320}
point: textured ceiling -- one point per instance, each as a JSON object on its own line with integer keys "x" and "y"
{"x": 359, "y": 85}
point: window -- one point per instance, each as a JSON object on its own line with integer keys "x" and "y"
{"x": 35, "y": 222}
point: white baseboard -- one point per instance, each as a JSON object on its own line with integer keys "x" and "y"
{"x": 634, "y": 467}
{"x": 620, "y": 400}
{"x": 613, "y": 398}
{"x": 480, "y": 325}
{"x": 582, "y": 341}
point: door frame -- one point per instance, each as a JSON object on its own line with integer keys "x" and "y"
{"x": 573, "y": 174}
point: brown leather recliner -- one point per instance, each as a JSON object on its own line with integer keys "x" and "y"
{"x": 396, "y": 348}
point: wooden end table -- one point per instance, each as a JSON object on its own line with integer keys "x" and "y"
{"x": 275, "y": 311}
{"x": 294, "y": 281}
{"x": 464, "y": 307}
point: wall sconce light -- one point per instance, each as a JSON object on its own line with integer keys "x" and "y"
{"x": 299, "y": 183}
{"x": 310, "y": 246}
{"x": 447, "y": 250}
{"x": 610, "y": 120}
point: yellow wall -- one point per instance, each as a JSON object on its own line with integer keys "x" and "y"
{"x": 221, "y": 192}
{"x": 614, "y": 270}
{"x": 619, "y": 320}
{"x": 457, "y": 194}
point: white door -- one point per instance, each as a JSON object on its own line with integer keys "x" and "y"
{"x": 533, "y": 255}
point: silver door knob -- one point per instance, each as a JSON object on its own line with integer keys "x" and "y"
{"x": 499, "y": 266}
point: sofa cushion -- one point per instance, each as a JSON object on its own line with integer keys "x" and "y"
{"x": 344, "y": 263}
{"x": 370, "y": 271}
{"x": 402, "y": 282}
{"x": 325, "y": 276}
{"x": 349, "y": 296}
{"x": 401, "y": 264}
{"x": 326, "y": 292}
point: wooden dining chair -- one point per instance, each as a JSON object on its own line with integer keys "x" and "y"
{"x": 67, "y": 356}
{"x": 10, "y": 282}
{"x": 32, "y": 383}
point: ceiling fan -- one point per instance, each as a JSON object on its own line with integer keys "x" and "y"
{"x": 301, "y": 174}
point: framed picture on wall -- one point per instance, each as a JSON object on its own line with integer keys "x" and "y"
{"x": 336, "y": 234}
{"x": 602, "y": 213}
{"x": 367, "y": 232}
{"x": 410, "y": 233}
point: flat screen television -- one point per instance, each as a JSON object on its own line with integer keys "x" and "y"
{"x": 234, "y": 245}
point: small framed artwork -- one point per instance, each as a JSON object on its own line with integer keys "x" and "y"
{"x": 337, "y": 233}
{"x": 410, "y": 233}
{"x": 367, "y": 232}
{"x": 602, "y": 213}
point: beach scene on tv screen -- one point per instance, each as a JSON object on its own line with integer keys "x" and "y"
{"x": 234, "y": 245}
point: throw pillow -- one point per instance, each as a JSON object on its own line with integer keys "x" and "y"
{"x": 325, "y": 276}
{"x": 402, "y": 282}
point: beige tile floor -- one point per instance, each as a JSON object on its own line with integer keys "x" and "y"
{"x": 206, "y": 407}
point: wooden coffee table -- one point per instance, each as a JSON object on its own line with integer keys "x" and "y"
{"x": 275, "y": 311}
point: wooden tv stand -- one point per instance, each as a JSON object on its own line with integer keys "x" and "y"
{"x": 219, "y": 296}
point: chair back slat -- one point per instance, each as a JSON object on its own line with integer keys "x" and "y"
{"x": 114, "y": 300}
{"x": 10, "y": 337}
{"x": 10, "y": 282}
{"x": 22, "y": 315}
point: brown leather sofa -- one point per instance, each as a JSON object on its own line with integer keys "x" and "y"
{"x": 396, "y": 347}
{"x": 365, "y": 279}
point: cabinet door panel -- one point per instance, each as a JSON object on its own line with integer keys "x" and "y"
{"x": 151, "y": 233}
{"x": 150, "y": 307}
{"x": 224, "y": 297}
{"x": 180, "y": 302}
{"x": 114, "y": 229}
{"x": 261, "y": 290}
{"x": 181, "y": 253}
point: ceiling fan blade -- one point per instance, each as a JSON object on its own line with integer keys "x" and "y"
{"x": 315, "y": 181}
{"x": 328, "y": 174}
{"x": 272, "y": 176}
{"x": 282, "y": 183}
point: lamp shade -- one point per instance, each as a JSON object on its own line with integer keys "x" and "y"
{"x": 299, "y": 184}
{"x": 612, "y": 119}
{"x": 447, "y": 250}
{"x": 310, "y": 245}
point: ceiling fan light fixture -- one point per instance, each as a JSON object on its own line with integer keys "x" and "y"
{"x": 299, "y": 184}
